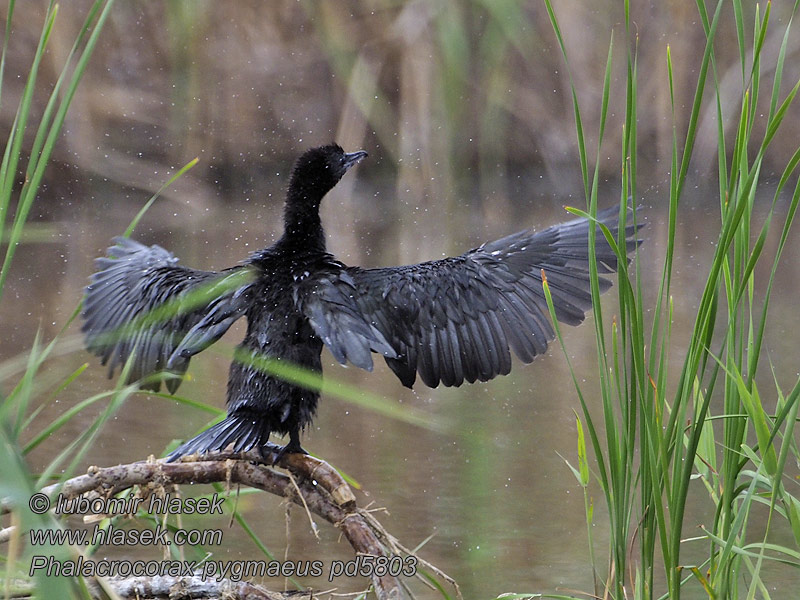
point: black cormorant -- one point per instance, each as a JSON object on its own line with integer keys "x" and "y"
{"x": 449, "y": 320}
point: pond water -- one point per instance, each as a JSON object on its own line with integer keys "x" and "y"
{"x": 492, "y": 499}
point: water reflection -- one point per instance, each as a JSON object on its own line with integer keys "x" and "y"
{"x": 504, "y": 510}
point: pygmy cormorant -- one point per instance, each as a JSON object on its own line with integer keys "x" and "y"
{"x": 447, "y": 320}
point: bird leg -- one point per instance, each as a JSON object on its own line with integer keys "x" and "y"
{"x": 292, "y": 447}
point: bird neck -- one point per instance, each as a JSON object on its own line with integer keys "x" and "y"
{"x": 302, "y": 224}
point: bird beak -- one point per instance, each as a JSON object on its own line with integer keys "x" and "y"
{"x": 353, "y": 157}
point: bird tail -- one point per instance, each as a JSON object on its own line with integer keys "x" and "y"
{"x": 243, "y": 430}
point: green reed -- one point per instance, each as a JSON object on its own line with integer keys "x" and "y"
{"x": 15, "y": 481}
{"x": 657, "y": 433}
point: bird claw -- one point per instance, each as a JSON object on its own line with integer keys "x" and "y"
{"x": 279, "y": 453}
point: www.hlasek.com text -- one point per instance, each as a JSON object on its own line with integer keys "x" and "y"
{"x": 116, "y": 536}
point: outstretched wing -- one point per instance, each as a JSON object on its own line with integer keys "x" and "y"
{"x": 142, "y": 304}
{"x": 457, "y": 319}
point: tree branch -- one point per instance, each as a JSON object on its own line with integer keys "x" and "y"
{"x": 318, "y": 487}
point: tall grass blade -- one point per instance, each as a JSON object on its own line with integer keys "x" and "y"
{"x": 39, "y": 163}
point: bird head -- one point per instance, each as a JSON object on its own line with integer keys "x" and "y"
{"x": 318, "y": 170}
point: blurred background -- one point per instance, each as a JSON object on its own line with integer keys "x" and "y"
{"x": 466, "y": 111}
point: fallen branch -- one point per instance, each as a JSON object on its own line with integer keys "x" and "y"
{"x": 138, "y": 588}
{"x": 317, "y": 487}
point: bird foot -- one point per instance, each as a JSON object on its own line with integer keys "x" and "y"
{"x": 290, "y": 448}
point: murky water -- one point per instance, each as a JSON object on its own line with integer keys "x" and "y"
{"x": 493, "y": 497}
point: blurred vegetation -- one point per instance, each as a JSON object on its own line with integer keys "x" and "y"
{"x": 447, "y": 91}
{"x": 18, "y": 406}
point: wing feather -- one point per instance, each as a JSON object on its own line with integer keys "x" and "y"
{"x": 140, "y": 305}
{"x": 459, "y": 318}
{"x": 325, "y": 294}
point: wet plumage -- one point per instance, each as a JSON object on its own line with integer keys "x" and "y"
{"x": 448, "y": 321}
